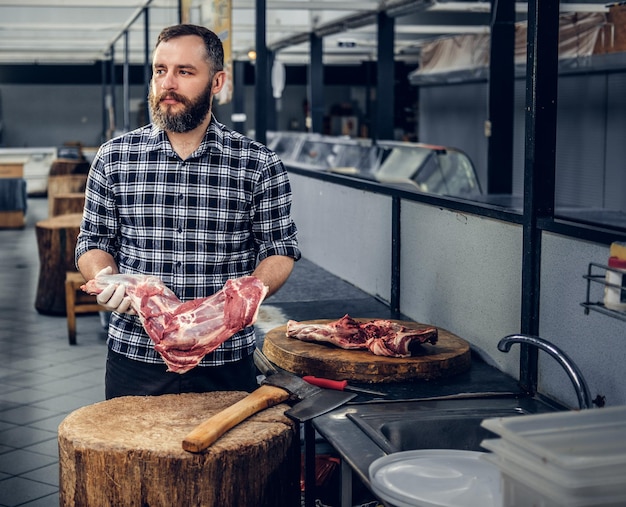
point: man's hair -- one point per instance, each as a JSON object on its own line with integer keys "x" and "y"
{"x": 212, "y": 43}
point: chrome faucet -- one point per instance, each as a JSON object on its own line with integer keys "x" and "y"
{"x": 573, "y": 372}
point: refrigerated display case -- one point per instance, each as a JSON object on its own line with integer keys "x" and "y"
{"x": 285, "y": 144}
{"x": 429, "y": 168}
{"x": 422, "y": 167}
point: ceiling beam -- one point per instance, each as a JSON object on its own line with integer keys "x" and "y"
{"x": 288, "y": 5}
{"x": 520, "y": 7}
{"x": 86, "y": 4}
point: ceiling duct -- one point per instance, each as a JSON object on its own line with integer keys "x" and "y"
{"x": 331, "y": 28}
{"x": 360, "y": 20}
{"x": 294, "y": 40}
{"x": 355, "y": 21}
{"x": 397, "y": 8}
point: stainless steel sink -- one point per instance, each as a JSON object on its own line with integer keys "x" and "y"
{"x": 437, "y": 424}
{"x": 453, "y": 421}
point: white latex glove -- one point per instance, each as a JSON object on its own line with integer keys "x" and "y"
{"x": 113, "y": 297}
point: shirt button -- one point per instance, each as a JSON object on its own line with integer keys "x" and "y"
{"x": 180, "y": 229}
{"x": 180, "y": 197}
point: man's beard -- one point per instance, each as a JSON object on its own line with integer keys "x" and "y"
{"x": 192, "y": 115}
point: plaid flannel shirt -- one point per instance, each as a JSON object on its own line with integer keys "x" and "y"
{"x": 193, "y": 223}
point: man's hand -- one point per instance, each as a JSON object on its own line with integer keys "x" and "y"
{"x": 113, "y": 297}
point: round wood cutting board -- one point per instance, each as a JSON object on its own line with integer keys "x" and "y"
{"x": 450, "y": 356}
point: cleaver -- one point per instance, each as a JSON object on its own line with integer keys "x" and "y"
{"x": 277, "y": 387}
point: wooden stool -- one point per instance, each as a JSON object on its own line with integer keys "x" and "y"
{"x": 68, "y": 202}
{"x": 63, "y": 184}
{"x": 128, "y": 451}
{"x": 77, "y": 301}
{"x": 56, "y": 241}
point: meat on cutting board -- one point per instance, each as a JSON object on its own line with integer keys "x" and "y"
{"x": 381, "y": 337}
{"x": 184, "y": 332}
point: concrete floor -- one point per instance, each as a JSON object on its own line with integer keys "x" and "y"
{"x": 43, "y": 378}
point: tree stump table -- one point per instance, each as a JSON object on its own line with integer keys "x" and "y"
{"x": 128, "y": 451}
{"x": 67, "y": 203}
{"x": 56, "y": 241}
{"x": 63, "y": 184}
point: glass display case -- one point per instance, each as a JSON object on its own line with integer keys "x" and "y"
{"x": 429, "y": 168}
{"x": 422, "y": 167}
{"x": 317, "y": 154}
{"x": 285, "y": 144}
{"x": 359, "y": 158}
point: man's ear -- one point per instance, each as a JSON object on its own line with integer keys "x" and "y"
{"x": 219, "y": 79}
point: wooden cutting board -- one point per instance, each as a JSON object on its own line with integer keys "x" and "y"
{"x": 450, "y": 356}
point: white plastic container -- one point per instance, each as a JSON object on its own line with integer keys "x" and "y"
{"x": 587, "y": 440}
{"x": 528, "y": 481}
{"x": 522, "y": 488}
{"x": 615, "y": 293}
{"x": 580, "y": 479}
{"x": 569, "y": 459}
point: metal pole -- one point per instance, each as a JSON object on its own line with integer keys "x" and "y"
{"x": 147, "y": 67}
{"x": 126, "y": 87}
{"x": 113, "y": 102}
{"x": 501, "y": 98}
{"x": 385, "y": 83}
{"x": 316, "y": 85}
{"x": 105, "y": 112}
{"x": 395, "y": 254}
{"x": 261, "y": 81}
{"x": 271, "y": 101}
{"x": 239, "y": 96}
{"x": 539, "y": 165}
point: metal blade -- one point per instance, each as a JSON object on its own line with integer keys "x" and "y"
{"x": 313, "y": 400}
{"x": 318, "y": 404}
{"x": 263, "y": 363}
{"x": 293, "y": 384}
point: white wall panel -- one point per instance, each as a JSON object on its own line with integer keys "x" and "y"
{"x": 595, "y": 342}
{"x": 462, "y": 273}
{"x": 345, "y": 231}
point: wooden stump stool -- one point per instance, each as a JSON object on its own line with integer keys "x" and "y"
{"x": 77, "y": 301}
{"x": 56, "y": 241}
{"x": 67, "y": 202}
{"x": 128, "y": 451}
{"x": 63, "y": 184}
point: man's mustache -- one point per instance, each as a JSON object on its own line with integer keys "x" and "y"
{"x": 173, "y": 95}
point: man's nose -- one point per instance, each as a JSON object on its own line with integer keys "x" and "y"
{"x": 168, "y": 82}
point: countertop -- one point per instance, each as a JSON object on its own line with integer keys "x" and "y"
{"x": 312, "y": 293}
{"x": 358, "y": 451}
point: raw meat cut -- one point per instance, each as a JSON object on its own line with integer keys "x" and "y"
{"x": 345, "y": 332}
{"x": 381, "y": 337}
{"x": 184, "y": 332}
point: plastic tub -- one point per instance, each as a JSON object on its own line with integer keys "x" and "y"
{"x": 524, "y": 488}
{"x": 580, "y": 442}
{"x": 571, "y": 459}
{"x": 555, "y": 479}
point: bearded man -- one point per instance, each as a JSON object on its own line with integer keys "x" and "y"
{"x": 191, "y": 202}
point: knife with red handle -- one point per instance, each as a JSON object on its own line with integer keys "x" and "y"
{"x": 339, "y": 385}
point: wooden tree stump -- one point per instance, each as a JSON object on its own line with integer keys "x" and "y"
{"x": 69, "y": 166}
{"x": 56, "y": 241}
{"x": 63, "y": 184}
{"x": 66, "y": 203}
{"x": 128, "y": 451}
